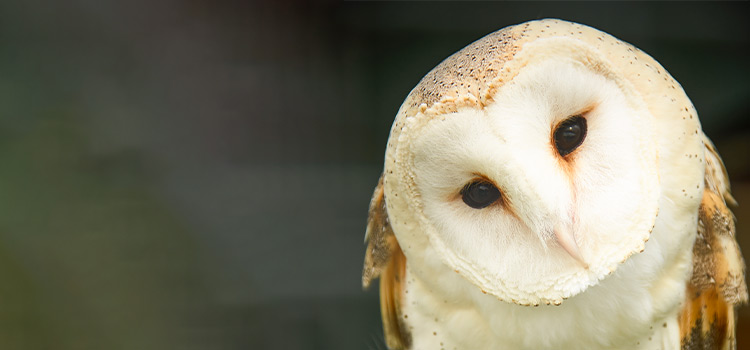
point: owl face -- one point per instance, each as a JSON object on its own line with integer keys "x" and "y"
{"x": 538, "y": 188}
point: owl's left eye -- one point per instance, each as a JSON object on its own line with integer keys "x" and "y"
{"x": 570, "y": 134}
{"x": 480, "y": 194}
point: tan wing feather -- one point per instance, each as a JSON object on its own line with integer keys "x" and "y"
{"x": 717, "y": 286}
{"x": 385, "y": 259}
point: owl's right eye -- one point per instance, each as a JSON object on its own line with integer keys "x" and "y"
{"x": 480, "y": 194}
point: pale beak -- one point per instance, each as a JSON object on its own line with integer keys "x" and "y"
{"x": 568, "y": 242}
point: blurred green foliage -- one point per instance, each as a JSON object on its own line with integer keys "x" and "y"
{"x": 89, "y": 259}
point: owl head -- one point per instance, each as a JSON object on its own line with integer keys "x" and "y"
{"x": 538, "y": 160}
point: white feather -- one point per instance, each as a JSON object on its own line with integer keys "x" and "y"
{"x": 628, "y": 194}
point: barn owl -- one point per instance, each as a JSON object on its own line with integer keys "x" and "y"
{"x": 549, "y": 187}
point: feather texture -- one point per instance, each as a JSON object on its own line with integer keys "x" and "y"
{"x": 384, "y": 259}
{"x": 707, "y": 320}
{"x": 642, "y": 194}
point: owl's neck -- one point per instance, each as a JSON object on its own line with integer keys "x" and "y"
{"x": 621, "y": 312}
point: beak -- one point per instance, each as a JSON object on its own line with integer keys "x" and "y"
{"x": 567, "y": 241}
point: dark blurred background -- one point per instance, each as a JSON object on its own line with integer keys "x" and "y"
{"x": 196, "y": 174}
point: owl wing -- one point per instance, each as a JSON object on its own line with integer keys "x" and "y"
{"x": 707, "y": 320}
{"x": 385, "y": 259}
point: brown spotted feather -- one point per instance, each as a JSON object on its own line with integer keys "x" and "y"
{"x": 385, "y": 259}
{"x": 717, "y": 286}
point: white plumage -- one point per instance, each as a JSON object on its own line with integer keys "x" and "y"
{"x": 589, "y": 245}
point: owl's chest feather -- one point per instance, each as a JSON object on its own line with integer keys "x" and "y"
{"x": 445, "y": 312}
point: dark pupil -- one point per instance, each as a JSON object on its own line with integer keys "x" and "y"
{"x": 569, "y": 135}
{"x": 480, "y": 194}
